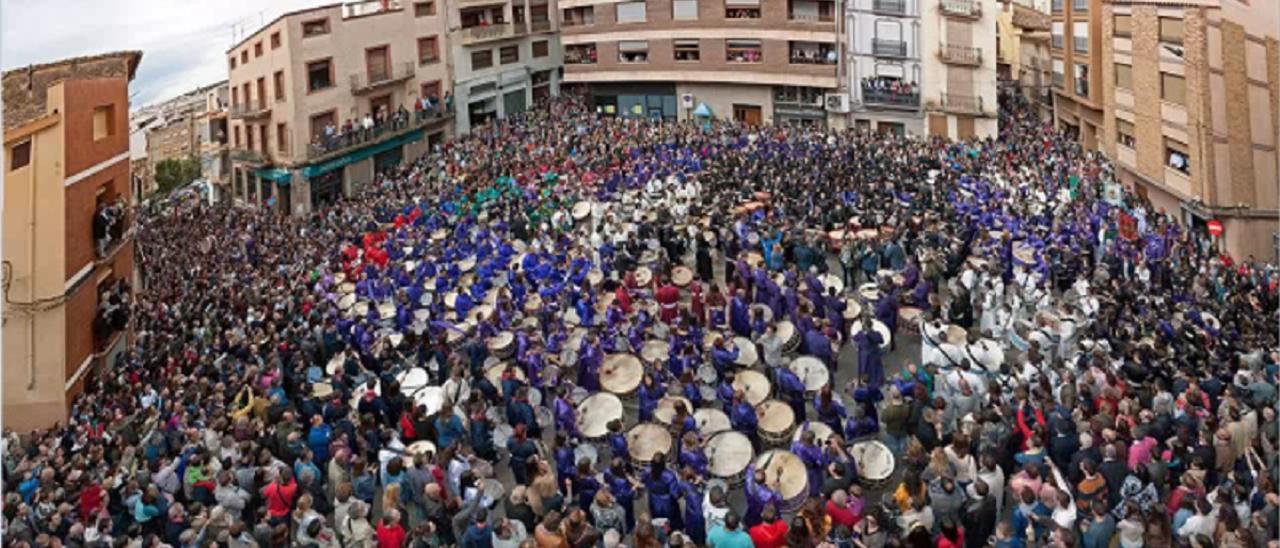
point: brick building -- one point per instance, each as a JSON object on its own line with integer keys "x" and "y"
{"x": 68, "y": 235}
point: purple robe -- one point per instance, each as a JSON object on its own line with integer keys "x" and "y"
{"x": 758, "y": 496}
{"x": 815, "y": 462}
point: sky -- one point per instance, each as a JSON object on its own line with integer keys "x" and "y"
{"x": 183, "y": 42}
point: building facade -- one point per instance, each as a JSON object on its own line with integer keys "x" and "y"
{"x": 324, "y": 98}
{"x": 506, "y": 54}
{"x": 1023, "y": 58}
{"x": 68, "y": 231}
{"x": 756, "y": 61}
{"x": 1192, "y": 112}
{"x": 959, "y": 52}
{"x": 1076, "y": 47}
{"x": 885, "y": 68}
{"x": 212, "y": 138}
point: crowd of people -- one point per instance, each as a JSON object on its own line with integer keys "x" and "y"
{"x": 375, "y": 124}
{"x": 1076, "y": 384}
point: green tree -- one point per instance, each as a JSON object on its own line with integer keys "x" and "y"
{"x": 175, "y": 172}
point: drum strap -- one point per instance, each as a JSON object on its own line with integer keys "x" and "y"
{"x": 925, "y": 333}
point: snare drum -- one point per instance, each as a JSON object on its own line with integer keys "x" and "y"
{"x": 880, "y": 328}
{"x": 711, "y": 421}
{"x": 706, "y": 374}
{"x": 502, "y": 345}
{"x": 621, "y": 374}
{"x": 728, "y": 454}
{"x": 870, "y": 292}
{"x": 586, "y": 452}
{"x": 644, "y": 276}
{"x": 681, "y": 276}
{"x": 765, "y": 312}
{"x": 666, "y": 410}
{"x": 747, "y": 356}
{"x": 655, "y": 351}
{"x": 830, "y": 281}
{"x": 789, "y": 336}
{"x": 646, "y": 440}
{"x": 412, "y": 380}
{"x": 812, "y": 372}
{"x": 957, "y": 335}
{"x": 754, "y": 386}
{"x": 581, "y": 210}
{"x": 422, "y": 447}
{"x": 595, "y": 412}
{"x": 494, "y": 374}
{"x": 493, "y": 489}
{"x": 821, "y": 433}
{"x": 875, "y": 463}
{"x": 792, "y": 484}
{"x": 346, "y": 301}
{"x": 910, "y": 317}
{"x": 775, "y": 422}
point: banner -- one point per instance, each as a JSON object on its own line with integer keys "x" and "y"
{"x": 1128, "y": 227}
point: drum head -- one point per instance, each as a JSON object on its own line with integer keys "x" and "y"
{"x": 387, "y": 311}
{"x": 666, "y": 410}
{"x": 494, "y": 374}
{"x": 648, "y": 439}
{"x": 875, "y": 461}
{"x": 346, "y": 301}
{"x": 321, "y": 390}
{"x": 880, "y": 327}
{"x": 581, "y": 210}
{"x": 431, "y": 397}
{"x": 347, "y": 287}
{"x": 753, "y": 384}
{"x": 764, "y": 311}
{"x": 682, "y": 276}
{"x": 746, "y": 352}
{"x": 786, "y": 330}
{"x": 708, "y": 393}
{"x": 957, "y": 335}
{"x": 729, "y": 452}
{"x": 596, "y": 411}
{"x": 711, "y": 421}
{"x": 821, "y": 432}
{"x": 707, "y": 374}
{"x": 775, "y": 417}
{"x": 501, "y": 340}
{"x": 578, "y": 394}
{"x": 655, "y": 351}
{"x": 621, "y": 373}
{"x": 812, "y": 372}
{"x": 587, "y": 452}
{"x": 644, "y": 276}
{"x": 412, "y": 379}
{"x": 423, "y": 447}
{"x": 334, "y": 365}
{"x": 502, "y": 433}
{"x": 869, "y": 292}
{"x": 830, "y": 281}
{"x": 784, "y": 472}
{"x": 852, "y": 309}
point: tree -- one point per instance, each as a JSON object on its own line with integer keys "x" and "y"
{"x": 175, "y": 173}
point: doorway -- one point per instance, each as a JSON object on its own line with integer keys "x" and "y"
{"x": 964, "y": 127}
{"x": 748, "y": 114}
{"x": 380, "y": 106}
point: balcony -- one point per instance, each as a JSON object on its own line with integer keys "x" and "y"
{"x": 580, "y": 54}
{"x": 362, "y": 83}
{"x": 812, "y": 53}
{"x": 250, "y": 111}
{"x": 889, "y": 7}
{"x": 112, "y": 228}
{"x": 884, "y": 98}
{"x": 961, "y": 104}
{"x": 486, "y": 33}
{"x": 112, "y": 317}
{"x": 247, "y": 156}
{"x": 325, "y": 147}
{"x": 369, "y": 7}
{"x": 540, "y": 26}
{"x": 888, "y": 48}
{"x": 962, "y": 9}
{"x": 961, "y": 55}
{"x": 475, "y": 3}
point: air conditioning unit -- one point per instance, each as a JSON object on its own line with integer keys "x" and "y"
{"x": 838, "y": 102}
{"x": 686, "y": 100}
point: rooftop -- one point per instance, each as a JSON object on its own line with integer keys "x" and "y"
{"x": 26, "y": 88}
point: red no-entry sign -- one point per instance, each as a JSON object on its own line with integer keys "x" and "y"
{"x": 1215, "y": 227}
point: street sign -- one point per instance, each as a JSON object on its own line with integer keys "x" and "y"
{"x": 1215, "y": 227}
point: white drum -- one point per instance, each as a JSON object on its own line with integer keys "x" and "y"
{"x": 812, "y": 372}
{"x": 711, "y": 421}
{"x": 747, "y": 356}
{"x": 880, "y": 328}
{"x": 875, "y": 463}
{"x": 412, "y": 380}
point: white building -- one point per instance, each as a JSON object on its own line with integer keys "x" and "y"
{"x": 958, "y": 45}
{"x": 885, "y": 67}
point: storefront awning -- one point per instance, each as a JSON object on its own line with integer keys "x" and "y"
{"x": 279, "y": 175}
{"x": 357, "y": 155}
{"x": 703, "y": 110}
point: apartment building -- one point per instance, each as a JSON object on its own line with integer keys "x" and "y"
{"x": 1076, "y": 47}
{"x": 212, "y": 138}
{"x": 756, "y": 61}
{"x": 885, "y": 67}
{"x": 1192, "y": 112}
{"x": 959, "y": 85}
{"x": 324, "y": 98}
{"x": 1022, "y": 52}
{"x": 506, "y": 55}
{"x": 68, "y": 231}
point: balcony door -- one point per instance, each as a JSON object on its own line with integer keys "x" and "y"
{"x": 380, "y": 106}
{"x": 749, "y": 114}
{"x": 378, "y": 64}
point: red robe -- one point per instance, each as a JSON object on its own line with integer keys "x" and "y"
{"x": 623, "y": 298}
{"x": 668, "y": 298}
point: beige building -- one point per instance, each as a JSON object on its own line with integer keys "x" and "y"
{"x": 212, "y": 141}
{"x": 323, "y": 98}
{"x": 757, "y": 61}
{"x": 1023, "y": 57}
{"x": 1076, "y": 47}
{"x": 1193, "y": 112}
{"x": 506, "y": 54}
{"x": 958, "y": 39}
{"x": 67, "y": 269}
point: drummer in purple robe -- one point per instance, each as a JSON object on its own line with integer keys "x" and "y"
{"x": 622, "y": 486}
{"x": 887, "y": 312}
{"x": 564, "y": 458}
{"x": 691, "y": 454}
{"x": 566, "y": 415}
{"x": 742, "y": 416}
{"x": 815, "y": 461}
{"x": 869, "y": 343}
{"x": 722, "y": 357}
{"x": 650, "y": 392}
{"x": 739, "y": 315}
{"x": 663, "y": 487}
{"x": 790, "y": 389}
{"x": 830, "y": 411}
{"x": 589, "y": 361}
{"x": 835, "y": 312}
{"x": 759, "y": 494}
{"x": 818, "y": 345}
{"x": 695, "y": 523}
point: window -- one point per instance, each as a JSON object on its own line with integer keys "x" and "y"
{"x": 277, "y": 82}
{"x": 742, "y": 9}
{"x": 633, "y": 51}
{"x": 428, "y": 50}
{"x": 631, "y": 12}
{"x": 541, "y": 49}
{"x": 1171, "y": 30}
{"x": 424, "y": 9}
{"x": 1080, "y": 36}
{"x": 321, "y": 121}
{"x": 481, "y": 59}
{"x": 319, "y": 75}
{"x": 315, "y": 28}
{"x": 282, "y": 140}
{"x": 582, "y": 15}
{"x": 1124, "y": 76}
{"x": 509, "y": 54}
{"x": 237, "y": 136}
{"x": 1173, "y": 88}
{"x": 1058, "y": 73}
{"x": 248, "y": 134}
{"x": 20, "y": 155}
{"x": 235, "y": 96}
{"x": 686, "y": 50}
{"x": 684, "y": 9}
{"x": 1176, "y": 156}
{"x": 1055, "y": 35}
{"x": 1123, "y": 25}
{"x": 232, "y": 62}
{"x": 1080, "y": 5}
{"x": 1082, "y": 80}
{"x": 104, "y": 122}
{"x": 431, "y": 89}
{"x": 743, "y": 51}
{"x": 1124, "y": 133}
{"x": 580, "y": 54}
{"x": 262, "y": 93}
{"x": 244, "y": 56}
{"x": 257, "y": 50}
{"x": 1057, "y": 6}
{"x": 275, "y": 40}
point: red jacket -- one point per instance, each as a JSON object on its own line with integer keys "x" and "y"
{"x": 770, "y": 535}
{"x": 280, "y": 498}
{"x": 842, "y": 516}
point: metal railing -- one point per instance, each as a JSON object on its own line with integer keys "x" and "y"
{"x": 365, "y": 82}
{"x": 255, "y": 109}
{"x": 964, "y": 104}
{"x": 890, "y": 48}
{"x": 248, "y": 156}
{"x": 540, "y": 26}
{"x": 485, "y": 33}
{"x": 333, "y": 145}
{"x": 962, "y": 8}
{"x": 889, "y": 98}
{"x": 811, "y": 18}
{"x": 961, "y": 55}
{"x": 894, "y": 7}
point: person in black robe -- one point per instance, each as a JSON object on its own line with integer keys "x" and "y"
{"x": 703, "y": 259}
